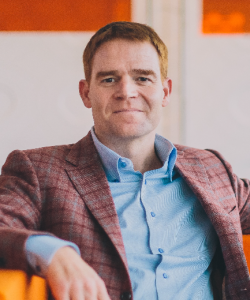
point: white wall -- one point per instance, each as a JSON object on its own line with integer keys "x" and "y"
{"x": 39, "y": 100}
{"x": 217, "y": 91}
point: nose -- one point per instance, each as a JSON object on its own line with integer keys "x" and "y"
{"x": 126, "y": 89}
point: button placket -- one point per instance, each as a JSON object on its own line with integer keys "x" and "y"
{"x": 148, "y": 209}
{"x": 143, "y": 188}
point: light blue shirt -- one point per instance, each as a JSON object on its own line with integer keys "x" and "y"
{"x": 168, "y": 238}
{"x": 40, "y": 250}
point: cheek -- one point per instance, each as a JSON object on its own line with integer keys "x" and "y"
{"x": 153, "y": 94}
{"x": 155, "y": 101}
{"x": 95, "y": 100}
{"x": 101, "y": 109}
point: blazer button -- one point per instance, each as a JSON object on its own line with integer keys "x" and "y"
{"x": 126, "y": 296}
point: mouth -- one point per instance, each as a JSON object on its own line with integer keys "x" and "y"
{"x": 130, "y": 110}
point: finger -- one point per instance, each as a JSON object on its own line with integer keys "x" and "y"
{"x": 102, "y": 291}
{"x": 62, "y": 294}
{"x": 77, "y": 293}
{"x": 95, "y": 289}
{"x": 90, "y": 290}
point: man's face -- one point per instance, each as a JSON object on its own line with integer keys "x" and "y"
{"x": 126, "y": 92}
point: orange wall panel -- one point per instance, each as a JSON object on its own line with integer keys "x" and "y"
{"x": 61, "y": 15}
{"x": 226, "y": 16}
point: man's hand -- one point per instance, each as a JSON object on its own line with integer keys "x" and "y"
{"x": 70, "y": 278}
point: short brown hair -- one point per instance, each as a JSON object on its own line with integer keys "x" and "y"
{"x": 128, "y": 31}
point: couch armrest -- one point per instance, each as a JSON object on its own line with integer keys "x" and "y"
{"x": 15, "y": 285}
{"x": 246, "y": 247}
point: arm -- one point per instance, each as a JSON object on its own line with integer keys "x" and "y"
{"x": 66, "y": 273}
{"x": 40, "y": 250}
{"x": 242, "y": 191}
{"x": 20, "y": 206}
{"x": 20, "y": 217}
{"x": 241, "y": 188}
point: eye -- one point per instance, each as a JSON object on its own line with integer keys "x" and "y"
{"x": 143, "y": 79}
{"x": 108, "y": 80}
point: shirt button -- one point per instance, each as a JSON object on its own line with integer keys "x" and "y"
{"x": 126, "y": 296}
{"x": 123, "y": 164}
{"x": 165, "y": 275}
{"x": 153, "y": 214}
{"x": 161, "y": 250}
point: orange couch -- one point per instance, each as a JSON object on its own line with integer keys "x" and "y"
{"x": 246, "y": 246}
{"x": 15, "y": 285}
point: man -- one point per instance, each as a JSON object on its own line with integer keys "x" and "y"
{"x": 151, "y": 220}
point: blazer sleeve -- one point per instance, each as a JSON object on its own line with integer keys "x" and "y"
{"x": 242, "y": 192}
{"x": 20, "y": 209}
{"x": 241, "y": 188}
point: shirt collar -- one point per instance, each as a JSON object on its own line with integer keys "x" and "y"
{"x": 111, "y": 161}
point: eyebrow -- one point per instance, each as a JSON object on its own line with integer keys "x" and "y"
{"x": 145, "y": 72}
{"x": 106, "y": 73}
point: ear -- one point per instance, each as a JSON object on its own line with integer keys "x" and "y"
{"x": 84, "y": 93}
{"x": 167, "y": 90}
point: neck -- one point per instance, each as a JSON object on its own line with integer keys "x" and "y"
{"x": 140, "y": 151}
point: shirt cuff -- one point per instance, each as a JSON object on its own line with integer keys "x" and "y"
{"x": 40, "y": 250}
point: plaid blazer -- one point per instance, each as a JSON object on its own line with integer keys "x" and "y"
{"x": 63, "y": 190}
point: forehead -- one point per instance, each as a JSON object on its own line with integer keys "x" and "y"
{"x": 125, "y": 54}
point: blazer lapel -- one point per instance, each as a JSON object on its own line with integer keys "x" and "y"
{"x": 88, "y": 177}
{"x": 194, "y": 173}
{"x": 192, "y": 169}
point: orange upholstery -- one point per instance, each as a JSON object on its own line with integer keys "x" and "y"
{"x": 246, "y": 246}
{"x": 14, "y": 285}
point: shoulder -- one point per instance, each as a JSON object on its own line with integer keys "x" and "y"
{"x": 217, "y": 168}
{"x": 208, "y": 157}
{"x": 45, "y": 157}
{"x": 43, "y": 154}
{"x": 198, "y": 153}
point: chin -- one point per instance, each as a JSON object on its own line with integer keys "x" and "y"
{"x": 131, "y": 132}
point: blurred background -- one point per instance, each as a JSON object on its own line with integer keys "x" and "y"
{"x": 41, "y": 45}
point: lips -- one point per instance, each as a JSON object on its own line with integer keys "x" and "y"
{"x": 128, "y": 110}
